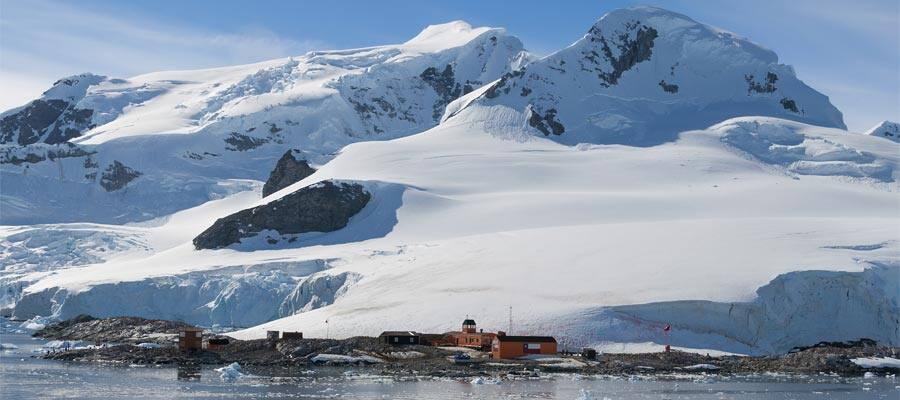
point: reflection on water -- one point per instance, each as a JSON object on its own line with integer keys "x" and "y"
{"x": 24, "y": 377}
{"x": 188, "y": 372}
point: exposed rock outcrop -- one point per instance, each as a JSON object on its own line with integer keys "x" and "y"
{"x": 288, "y": 171}
{"x": 631, "y": 51}
{"x": 322, "y": 207}
{"x": 547, "y": 123}
{"x": 116, "y": 176}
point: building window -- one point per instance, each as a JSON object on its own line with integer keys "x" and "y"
{"x": 396, "y": 339}
{"x": 411, "y": 340}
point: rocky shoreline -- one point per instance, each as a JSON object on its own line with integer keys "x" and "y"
{"x": 123, "y": 340}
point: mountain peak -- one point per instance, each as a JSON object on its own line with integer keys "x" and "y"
{"x": 447, "y": 35}
{"x": 72, "y": 87}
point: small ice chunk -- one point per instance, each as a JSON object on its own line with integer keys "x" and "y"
{"x": 231, "y": 372}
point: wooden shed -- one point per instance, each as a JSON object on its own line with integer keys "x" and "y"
{"x": 190, "y": 339}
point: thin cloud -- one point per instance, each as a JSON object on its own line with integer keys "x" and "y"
{"x": 42, "y": 41}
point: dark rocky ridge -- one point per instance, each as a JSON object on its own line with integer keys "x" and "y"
{"x": 322, "y": 207}
{"x": 48, "y": 119}
{"x": 288, "y": 171}
{"x": 115, "y": 330}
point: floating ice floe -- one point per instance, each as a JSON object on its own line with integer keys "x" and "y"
{"x": 148, "y": 345}
{"x": 7, "y": 346}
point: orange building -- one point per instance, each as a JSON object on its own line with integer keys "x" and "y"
{"x": 471, "y": 337}
{"x": 518, "y": 346}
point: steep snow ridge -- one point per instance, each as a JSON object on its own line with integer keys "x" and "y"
{"x": 641, "y": 75}
{"x": 184, "y": 132}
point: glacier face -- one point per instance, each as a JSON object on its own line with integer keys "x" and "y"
{"x": 523, "y": 195}
{"x": 794, "y": 309}
{"x": 236, "y": 296}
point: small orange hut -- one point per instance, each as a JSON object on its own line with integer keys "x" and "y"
{"x": 518, "y": 346}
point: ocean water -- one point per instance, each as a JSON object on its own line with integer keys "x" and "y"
{"x": 24, "y": 377}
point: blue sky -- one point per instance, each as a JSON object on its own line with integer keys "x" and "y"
{"x": 848, "y": 50}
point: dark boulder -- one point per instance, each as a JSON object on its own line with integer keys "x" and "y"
{"x": 287, "y": 171}
{"x": 322, "y": 207}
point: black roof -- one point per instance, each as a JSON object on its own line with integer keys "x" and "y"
{"x": 469, "y": 322}
{"x": 544, "y": 339}
{"x": 398, "y": 333}
{"x": 217, "y": 341}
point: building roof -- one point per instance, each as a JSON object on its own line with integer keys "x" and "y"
{"x": 542, "y": 339}
{"x": 398, "y": 333}
{"x": 469, "y": 322}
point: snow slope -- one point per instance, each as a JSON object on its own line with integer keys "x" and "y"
{"x": 560, "y": 232}
{"x": 162, "y": 142}
{"x": 750, "y": 234}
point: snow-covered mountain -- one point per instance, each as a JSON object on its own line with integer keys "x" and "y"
{"x": 639, "y": 76}
{"x": 114, "y": 150}
{"x": 583, "y": 190}
{"x": 886, "y": 129}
